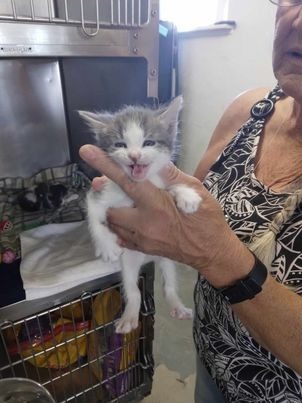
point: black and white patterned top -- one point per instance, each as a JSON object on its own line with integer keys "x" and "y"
{"x": 242, "y": 369}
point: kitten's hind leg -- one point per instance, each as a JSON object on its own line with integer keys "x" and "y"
{"x": 131, "y": 264}
{"x": 178, "y": 310}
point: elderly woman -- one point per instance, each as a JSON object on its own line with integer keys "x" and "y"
{"x": 246, "y": 238}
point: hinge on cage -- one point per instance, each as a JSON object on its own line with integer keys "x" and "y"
{"x": 148, "y": 306}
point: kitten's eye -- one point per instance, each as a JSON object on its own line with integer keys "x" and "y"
{"x": 120, "y": 144}
{"x": 148, "y": 143}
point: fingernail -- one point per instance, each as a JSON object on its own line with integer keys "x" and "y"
{"x": 121, "y": 242}
{"x": 87, "y": 152}
{"x": 98, "y": 183}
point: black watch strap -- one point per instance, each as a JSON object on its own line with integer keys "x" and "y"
{"x": 248, "y": 287}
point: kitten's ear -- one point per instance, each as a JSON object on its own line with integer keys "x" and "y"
{"x": 97, "y": 121}
{"x": 169, "y": 114}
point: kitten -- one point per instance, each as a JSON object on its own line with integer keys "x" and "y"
{"x": 142, "y": 142}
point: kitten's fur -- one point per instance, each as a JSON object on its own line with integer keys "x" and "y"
{"x": 142, "y": 142}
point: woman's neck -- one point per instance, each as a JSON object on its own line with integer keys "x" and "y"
{"x": 294, "y": 123}
{"x": 278, "y": 161}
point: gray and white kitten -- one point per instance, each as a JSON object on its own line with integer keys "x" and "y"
{"x": 141, "y": 141}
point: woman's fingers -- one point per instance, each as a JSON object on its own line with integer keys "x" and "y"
{"x": 171, "y": 175}
{"x": 125, "y": 217}
{"x": 126, "y": 238}
{"x": 99, "y": 160}
{"x": 137, "y": 191}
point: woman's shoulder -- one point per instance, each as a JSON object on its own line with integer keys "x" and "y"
{"x": 240, "y": 107}
{"x": 237, "y": 113}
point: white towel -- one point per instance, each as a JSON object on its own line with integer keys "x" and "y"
{"x": 57, "y": 257}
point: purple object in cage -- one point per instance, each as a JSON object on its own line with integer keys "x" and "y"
{"x": 117, "y": 384}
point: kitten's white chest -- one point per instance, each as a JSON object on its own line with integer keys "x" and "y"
{"x": 114, "y": 196}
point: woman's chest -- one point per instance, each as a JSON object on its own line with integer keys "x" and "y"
{"x": 278, "y": 162}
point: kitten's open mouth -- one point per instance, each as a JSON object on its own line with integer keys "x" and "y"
{"x": 138, "y": 171}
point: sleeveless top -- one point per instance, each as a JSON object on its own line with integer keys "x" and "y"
{"x": 243, "y": 370}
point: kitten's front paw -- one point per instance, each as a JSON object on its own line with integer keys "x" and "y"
{"x": 126, "y": 323}
{"x": 187, "y": 200}
{"x": 181, "y": 312}
{"x": 109, "y": 252}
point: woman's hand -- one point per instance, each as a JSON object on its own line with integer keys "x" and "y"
{"x": 155, "y": 226}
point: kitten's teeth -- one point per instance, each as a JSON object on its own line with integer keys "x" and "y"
{"x": 139, "y": 171}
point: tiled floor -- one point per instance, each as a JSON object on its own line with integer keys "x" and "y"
{"x": 174, "y": 351}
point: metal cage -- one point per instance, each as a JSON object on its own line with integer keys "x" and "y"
{"x": 72, "y": 348}
{"x": 96, "y": 13}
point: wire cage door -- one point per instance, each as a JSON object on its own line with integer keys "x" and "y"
{"x": 72, "y": 349}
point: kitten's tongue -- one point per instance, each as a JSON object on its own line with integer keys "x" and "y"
{"x": 139, "y": 171}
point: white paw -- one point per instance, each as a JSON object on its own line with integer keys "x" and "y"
{"x": 109, "y": 252}
{"x": 126, "y": 323}
{"x": 181, "y": 312}
{"x": 188, "y": 202}
{"x": 186, "y": 199}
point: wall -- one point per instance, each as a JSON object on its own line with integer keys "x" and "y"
{"x": 216, "y": 68}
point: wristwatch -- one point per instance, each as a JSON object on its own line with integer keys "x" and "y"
{"x": 248, "y": 287}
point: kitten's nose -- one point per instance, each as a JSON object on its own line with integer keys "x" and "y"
{"x": 134, "y": 155}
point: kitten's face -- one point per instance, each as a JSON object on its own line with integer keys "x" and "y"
{"x": 139, "y": 153}
{"x": 139, "y": 139}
